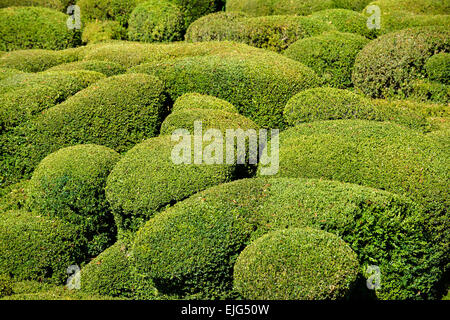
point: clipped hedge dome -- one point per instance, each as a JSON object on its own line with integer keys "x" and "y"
{"x": 271, "y": 32}
{"x": 34, "y": 247}
{"x": 36, "y": 60}
{"x": 35, "y": 28}
{"x": 103, "y": 31}
{"x": 343, "y": 20}
{"x": 296, "y": 264}
{"x": 334, "y": 104}
{"x": 331, "y": 55}
{"x": 156, "y": 21}
{"x": 288, "y": 7}
{"x": 69, "y": 184}
{"x": 388, "y": 64}
{"x": 109, "y": 274}
{"x": 147, "y": 179}
{"x": 107, "y": 68}
{"x": 202, "y": 101}
{"x": 438, "y": 68}
{"x": 258, "y": 85}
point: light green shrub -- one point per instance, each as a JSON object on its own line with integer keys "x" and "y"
{"x": 201, "y": 101}
{"x": 438, "y": 68}
{"x": 36, "y": 60}
{"x": 103, "y": 31}
{"x": 107, "y": 68}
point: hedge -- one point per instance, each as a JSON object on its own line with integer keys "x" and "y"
{"x": 35, "y": 28}
{"x": 109, "y": 274}
{"x": 283, "y": 7}
{"x": 36, "y": 60}
{"x": 429, "y": 91}
{"x": 107, "y": 68}
{"x": 103, "y": 10}
{"x": 345, "y": 21}
{"x": 115, "y": 112}
{"x": 103, "y": 31}
{"x": 272, "y": 32}
{"x": 414, "y": 6}
{"x": 34, "y": 247}
{"x": 59, "y": 5}
{"x": 258, "y": 84}
{"x": 202, "y": 101}
{"x": 388, "y": 64}
{"x": 13, "y": 197}
{"x": 438, "y": 68}
{"x": 146, "y": 180}
{"x": 8, "y": 72}
{"x": 331, "y": 55}
{"x": 26, "y": 101}
{"x": 194, "y": 9}
{"x": 6, "y": 285}
{"x": 181, "y": 251}
{"x": 334, "y": 104}
{"x": 296, "y": 264}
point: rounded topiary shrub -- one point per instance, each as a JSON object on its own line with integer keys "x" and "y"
{"x": 332, "y": 55}
{"x": 35, "y": 247}
{"x": 194, "y": 9}
{"x": 271, "y": 32}
{"x": 107, "y": 68}
{"x": 202, "y": 101}
{"x": 35, "y": 28}
{"x": 438, "y": 68}
{"x": 334, "y": 104}
{"x": 288, "y": 7}
{"x": 296, "y": 264}
{"x": 388, "y": 64}
{"x": 36, "y": 60}
{"x": 156, "y": 21}
{"x": 69, "y": 184}
{"x": 104, "y": 10}
{"x": 109, "y": 274}
{"x": 258, "y": 84}
{"x": 345, "y": 21}
{"x": 103, "y": 31}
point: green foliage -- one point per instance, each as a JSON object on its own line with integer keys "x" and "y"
{"x": 6, "y": 285}
{"x": 399, "y": 20}
{"x": 34, "y": 247}
{"x": 283, "y": 7}
{"x": 104, "y": 10}
{"x": 201, "y": 101}
{"x": 331, "y": 55}
{"x": 423, "y": 90}
{"x": 414, "y": 6}
{"x": 296, "y": 264}
{"x": 258, "y": 84}
{"x": 109, "y": 274}
{"x": 194, "y": 9}
{"x": 334, "y": 104}
{"x": 156, "y": 21}
{"x": 13, "y": 197}
{"x": 103, "y": 31}
{"x": 116, "y": 112}
{"x": 35, "y": 28}
{"x": 438, "y": 68}
{"x": 52, "y": 4}
{"x": 387, "y": 65}
{"x": 69, "y": 184}
{"x": 345, "y": 21}
{"x": 271, "y": 32}
{"x": 107, "y": 68}
{"x": 36, "y": 60}
{"x": 356, "y": 5}
{"x": 8, "y": 72}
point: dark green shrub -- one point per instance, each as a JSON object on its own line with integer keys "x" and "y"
{"x": 288, "y": 7}
{"x": 36, "y": 60}
{"x": 334, "y": 104}
{"x": 201, "y": 101}
{"x": 6, "y": 285}
{"x": 388, "y": 64}
{"x": 25, "y": 102}
{"x": 69, "y": 184}
{"x": 259, "y": 85}
{"x": 35, "y": 28}
{"x": 8, "y": 72}
{"x": 414, "y": 6}
{"x": 423, "y": 90}
{"x": 296, "y": 264}
{"x": 34, "y": 247}
{"x": 194, "y": 9}
{"x": 53, "y": 4}
{"x": 116, "y": 112}
{"x": 156, "y": 21}
{"x": 104, "y": 10}
{"x": 331, "y": 55}
{"x": 345, "y": 21}
{"x": 438, "y": 68}
{"x": 109, "y": 274}
{"x": 382, "y": 228}
{"x": 271, "y": 32}
{"x": 103, "y": 31}
{"x": 107, "y": 68}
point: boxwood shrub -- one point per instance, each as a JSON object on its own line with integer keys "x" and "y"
{"x": 388, "y": 64}
{"x": 258, "y": 84}
{"x": 296, "y": 264}
{"x": 69, "y": 184}
{"x": 412, "y": 6}
{"x": 333, "y": 104}
{"x": 35, "y": 28}
{"x": 6, "y": 285}
{"x": 103, "y": 10}
{"x": 438, "y": 68}
{"x": 156, "y": 21}
{"x": 331, "y": 55}
{"x": 271, "y": 32}
{"x": 109, "y": 274}
{"x": 8, "y": 72}
{"x": 103, "y": 31}
{"x": 107, "y": 68}
{"x": 429, "y": 91}
{"x": 34, "y": 247}
{"x": 36, "y": 60}
{"x": 202, "y": 101}
{"x": 53, "y": 4}
{"x": 288, "y": 7}
{"x": 13, "y": 197}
